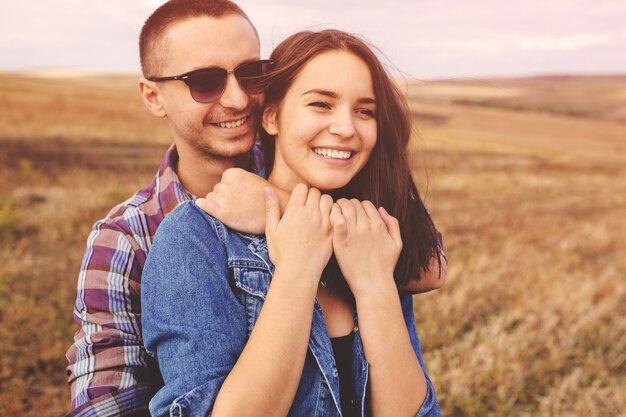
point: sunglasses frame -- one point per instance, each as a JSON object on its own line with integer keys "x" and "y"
{"x": 188, "y": 77}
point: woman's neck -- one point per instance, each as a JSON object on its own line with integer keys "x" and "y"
{"x": 283, "y": 177}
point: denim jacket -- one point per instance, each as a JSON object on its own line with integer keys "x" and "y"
{"x": 203, "y": 288}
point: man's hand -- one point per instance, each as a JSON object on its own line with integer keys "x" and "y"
{"x": 238, "y": 201}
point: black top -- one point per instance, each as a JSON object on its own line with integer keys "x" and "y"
{"x": 342, "y": 349}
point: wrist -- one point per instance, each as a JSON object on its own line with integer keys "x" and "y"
{"x": 381, "y": 287}
{"x": 307, "y": 277}
{"x": 376, "y": 304}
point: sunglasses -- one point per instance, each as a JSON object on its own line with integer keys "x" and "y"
{"x": 208, "y": 84}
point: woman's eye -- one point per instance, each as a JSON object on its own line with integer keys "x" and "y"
{"x": 366, "y": 112}
{"x": 320, "y": 104}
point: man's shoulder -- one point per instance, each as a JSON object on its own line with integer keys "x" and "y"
{"x": 142, "y": 213}
{"x": 137, "y": 217}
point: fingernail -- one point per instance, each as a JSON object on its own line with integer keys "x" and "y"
{"x": 268, "y": 192}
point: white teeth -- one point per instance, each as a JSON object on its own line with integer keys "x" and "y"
{"x": 332, "y": 153}
{"x": 230, "y": 125}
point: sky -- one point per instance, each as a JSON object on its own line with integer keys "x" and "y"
{"x": 422, "y": 39}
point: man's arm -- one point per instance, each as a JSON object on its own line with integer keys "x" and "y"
{"x": 109, "y": 372}
{"x": 432, "y": 279}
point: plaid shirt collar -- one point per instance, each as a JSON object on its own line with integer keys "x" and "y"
{"x": 170, "y": 192}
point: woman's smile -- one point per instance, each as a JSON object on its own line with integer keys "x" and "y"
{"x": 333, "y": 153}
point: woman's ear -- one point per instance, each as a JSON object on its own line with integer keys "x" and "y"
{"x": 269, "y": 122}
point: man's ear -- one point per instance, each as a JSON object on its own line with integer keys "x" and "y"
{"x": 269, "y": 122}
{"x": 151, "y": 97}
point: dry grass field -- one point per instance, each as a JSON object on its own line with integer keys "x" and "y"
{"x": 526, "y": 178}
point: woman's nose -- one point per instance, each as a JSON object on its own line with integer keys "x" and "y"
{"x": 343, "y": 126}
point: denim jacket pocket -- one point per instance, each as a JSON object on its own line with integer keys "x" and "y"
{"x": 253, "y": 279}
{"x": 197, "y": 402}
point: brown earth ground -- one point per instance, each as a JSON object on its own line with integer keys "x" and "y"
{"x": 526, "y": 178}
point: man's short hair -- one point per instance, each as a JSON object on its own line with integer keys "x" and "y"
{"x": 152, "y": 39}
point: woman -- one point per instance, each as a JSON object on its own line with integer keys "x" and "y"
{"x": 266, "y": 325}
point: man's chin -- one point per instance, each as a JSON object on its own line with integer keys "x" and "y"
{"x": 234, "y": 150}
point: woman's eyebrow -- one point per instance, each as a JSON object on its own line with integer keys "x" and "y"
{"x": 332, "y": 94}
{"x": 322, "y": 92}
{"x": 366, "y": 100}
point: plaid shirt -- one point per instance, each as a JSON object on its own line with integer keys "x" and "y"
{"x": 110, "y": 373}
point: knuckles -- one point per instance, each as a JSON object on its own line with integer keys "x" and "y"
{"x": 219, "y": 188}
{"x": 232, "y": 174}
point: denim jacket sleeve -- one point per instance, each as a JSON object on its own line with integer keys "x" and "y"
{"x": 192, "y": 322}
{"x": 430, "y": 406}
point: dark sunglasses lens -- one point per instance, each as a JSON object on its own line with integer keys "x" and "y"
{"x": 206, "y": 86}
{"x": 253, "y": 76}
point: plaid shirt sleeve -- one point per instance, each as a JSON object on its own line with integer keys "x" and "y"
{"x": 110, "y": 373}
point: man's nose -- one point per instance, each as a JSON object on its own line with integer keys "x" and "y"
{"x": 234, "y": 97}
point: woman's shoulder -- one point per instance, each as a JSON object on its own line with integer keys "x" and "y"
{"x": 190, "y": 218}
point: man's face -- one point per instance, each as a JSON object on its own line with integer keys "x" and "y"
{"x": 226, "y": 127}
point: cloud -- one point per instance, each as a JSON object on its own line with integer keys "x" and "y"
{"x": 424, "y": 37}
{"x": 567, "y": 43}
{"x": 521, "y": 42}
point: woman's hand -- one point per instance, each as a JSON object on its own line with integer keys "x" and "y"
{"x": 302, "y": 238}
{"x": 367, "y": 244}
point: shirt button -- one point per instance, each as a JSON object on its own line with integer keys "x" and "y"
{"x": 335, "y": 373}
{"x": 356, "y": 329}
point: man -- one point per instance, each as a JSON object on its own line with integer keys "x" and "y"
{"x": 213, "y": 129}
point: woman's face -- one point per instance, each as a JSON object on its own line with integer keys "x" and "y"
{"x": 325, "y": 126}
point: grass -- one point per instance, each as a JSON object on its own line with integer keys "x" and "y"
{"x": 532, "y": 319}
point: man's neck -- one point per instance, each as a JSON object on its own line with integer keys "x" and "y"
{"x": 199, "y": 174}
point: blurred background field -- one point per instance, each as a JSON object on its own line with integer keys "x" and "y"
{"x": 526, "y": 178}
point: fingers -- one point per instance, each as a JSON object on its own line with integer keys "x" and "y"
{"x": 358, "y": 210}
{"x": 393, "y": 227}
{"x": 313, "y": 197}
{"x": 272, "y": 210}
{"x": 371, "y": 211}
{"x": 326, "y": 205}
{"x": 348, "y": 211}
{"x": 235, "y": 175}
{"x": 338, "y": 223}
{"x": 209, "y": 204}
{"x": 354, "y": 213}
{"x": 298, "y": 195}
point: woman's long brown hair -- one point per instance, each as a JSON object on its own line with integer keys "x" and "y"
{"x": 386, "y": 179}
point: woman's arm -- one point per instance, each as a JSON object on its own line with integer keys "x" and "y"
{"x": 265, "y": 379}
{"x": 196, "y": 328}
{"x": 397, "y": 383}
{"x": 367, "y": 245}
{"x": 266, "y": 376}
